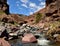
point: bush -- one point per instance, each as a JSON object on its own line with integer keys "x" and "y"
{"x": 53, "y": 27}
{"x": 38, "y": 17}
{"x": 1, "y": 12}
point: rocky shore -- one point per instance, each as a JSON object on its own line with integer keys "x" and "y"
{"x": 28, "y": 34}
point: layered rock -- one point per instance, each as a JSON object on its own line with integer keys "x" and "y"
{"x": 52, "y": 9}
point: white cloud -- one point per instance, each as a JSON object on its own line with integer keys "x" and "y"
{"x": 31, "y": 13}
{"x": 35, "y": 7}
{"x": 7, "y": 2}
{"x": 24, "y": 5}
{"x": 32, "y": 5}
{"x": 24, "y": 1}
{"x": 38, "y": 8}
{"x": 42, "y": 3}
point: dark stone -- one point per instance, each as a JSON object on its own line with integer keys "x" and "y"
{"x": 5, "y": 34}
{"x": 12, "y": 22}
{"x": 32, "y": 20}
{"x": 7, "y": 10}
{"x": 48, "y": 14}
{"x": 5, "y": 19}
{"x": 21, "y": 23}
{"x": 3, "y": 1}
{"x": 56, "y": 11}
{"x": 36, "y": 36}
{"x": 49, "y": 2}
{"x": 25, "y": 22}
{"x": 55, "y": 16}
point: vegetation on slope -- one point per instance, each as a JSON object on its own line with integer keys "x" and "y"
{"x": 54, "y": 26}
{"x": 38, "y": 17}
{"x": 1, "y": 12}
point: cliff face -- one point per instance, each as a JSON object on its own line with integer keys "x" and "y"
{"x": 53, "y": 9}
{"x": 4, "y": 10}
{"x": 4, "y": 6}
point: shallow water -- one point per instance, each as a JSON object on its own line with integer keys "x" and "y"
{"x": 17, "y": 42}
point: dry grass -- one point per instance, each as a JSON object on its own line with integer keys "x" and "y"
{"x": 53, "y": 27}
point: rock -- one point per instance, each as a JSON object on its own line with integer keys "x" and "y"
{"x": 5, "y": 34}
{"x": 1, "y": 29}
{"x": 41, "y": 25}
{"x": 55, "y": 35}
{"x": 58, "y": 38}
{"x": 28, "y": 38}
{"x": 3, "y": 42}
{"x": 46, "y": 29}
{"x": 13, "y": 34}
{"x": 10, "y": 38}
{"x": 8, "y": 30}
{"x": 24, "y": 25}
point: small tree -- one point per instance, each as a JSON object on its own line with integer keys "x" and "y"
{"x": 38, "y": 17}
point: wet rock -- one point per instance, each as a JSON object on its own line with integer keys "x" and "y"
{"x": 28, "y": 38}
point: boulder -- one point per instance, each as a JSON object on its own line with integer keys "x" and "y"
{"x": 3, "y": 42}
{"x": 1, "y": 29}
{"x": 58, "y": 38}
{"x": 28, "y": 38}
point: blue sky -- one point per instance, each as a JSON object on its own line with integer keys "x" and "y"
{"x": 26, "y": 7}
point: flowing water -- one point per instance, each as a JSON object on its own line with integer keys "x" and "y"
{"x": 18, "y": 42}
{"x": 41, "y": 42}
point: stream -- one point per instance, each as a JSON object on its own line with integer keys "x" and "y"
{"x": 17, "y": 42}
{"x": 41, "y": 42}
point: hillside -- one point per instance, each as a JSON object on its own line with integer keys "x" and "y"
{"x": 48, "y": 17}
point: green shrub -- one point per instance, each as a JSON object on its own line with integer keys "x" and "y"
{"x": 1, "y": 12}
{"x": 38, "y": 17}
{"x": 15, "y": 23}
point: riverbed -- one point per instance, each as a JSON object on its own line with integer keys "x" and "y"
{"x": 17, "y": 42}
